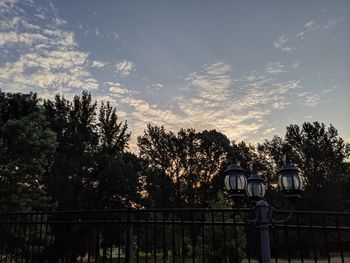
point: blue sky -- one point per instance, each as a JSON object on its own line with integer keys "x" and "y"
{"x": 245, "y": 68}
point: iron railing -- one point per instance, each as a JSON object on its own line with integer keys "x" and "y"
{"x": 170, "y": 236}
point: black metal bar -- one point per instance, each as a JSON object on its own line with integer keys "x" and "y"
{"x": 248, "y": 238}
{"x": 119, "y": 237}
{"x": 313, "y": 238}
{"x": 224, "y": 236}
{"x": 90, "y": 231}
{"x": 155, "y": 237}
{"x": 28, "y": 256}
{"x": 97, "y": 243}
{"x": 138, "y": 239}
{"x": 182, "y": 238}
{"x": 111, "y": 239}
{"x": 213, "y": 235}
{"x": 173, "y": 236}
{"x": 165, "y": 252}
{"x": 146, "y": 238}
{"x": 11, "y": 226}
{"x": 129, "y": 238}
{"x": 287, "y": 242}
{"x": 203, "y": 236}
{"x": 170, "y": 210}
{"x": 17, "y": 233}
{"x": 104, "y": 251}
{"x": 275, "y": 243}
{"x": 326, "y": 238}
{"x": 339, "y": 240}
{"x": 192, "y": 239}
{"x": 298, "y": 240}
{"x": 235, "y": 238}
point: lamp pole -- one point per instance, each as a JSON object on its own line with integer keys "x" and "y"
{"x": 263, "y": 222}
{"x": 238, "y": 186}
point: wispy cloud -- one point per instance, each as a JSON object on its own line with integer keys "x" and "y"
{"x": 281, "y": 43}
{"x": 118, "y": 89}
{"x": 331, "y": 23}
{"x": 275, "y": 68}
{"x": 235, "y": 105}
{"x": 125, "y": 67}
{"x": 269, "y": 131}
{"x": 98, "y": 64}
{"x": 308, "y": 27}
{"x": 310, "y": 99}
{"x": 47, "y": 57}
{"x": 155, "y": 86}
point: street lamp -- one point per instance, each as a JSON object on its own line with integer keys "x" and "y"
{"x": 289, "y": 180}
{"x": 255, "y": 187}
{"x": 238, "y": 186}
{"x": 235, "y": 181}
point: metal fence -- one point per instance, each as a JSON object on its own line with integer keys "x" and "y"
{"x": 169, "y": 236}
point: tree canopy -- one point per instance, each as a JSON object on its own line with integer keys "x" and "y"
{"x": 73, "y": 154}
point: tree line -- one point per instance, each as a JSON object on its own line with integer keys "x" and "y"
{"x": 65, "y": 154}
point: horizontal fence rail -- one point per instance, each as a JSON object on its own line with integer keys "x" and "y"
{"x": 170, "y": 236}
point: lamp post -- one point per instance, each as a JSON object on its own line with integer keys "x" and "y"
{"x": 289, "y": 181}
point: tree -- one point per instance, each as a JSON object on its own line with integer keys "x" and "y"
{"x": 214, "y": 149}
{"x": 26, "y": 148}
{"x": 115, "y": 179}
{"x": 160, "y": 168}
{"x": 191, "y": 161}
{"x": 321, "y": 156}
{"x": 74, "y": 123}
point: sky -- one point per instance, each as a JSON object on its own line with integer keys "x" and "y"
{"x": 245, "y": 68}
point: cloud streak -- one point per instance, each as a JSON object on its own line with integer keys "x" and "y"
{"x": 47, "y": 58}
{"x": 235, "y": 105}
{"x": 125, "y": 67}
{"x": 281, "y": 43}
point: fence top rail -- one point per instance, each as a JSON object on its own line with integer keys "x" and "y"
{"x": 167, "y": 210}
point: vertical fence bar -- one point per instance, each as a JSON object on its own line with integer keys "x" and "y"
{"x": 213, "y": 233}
{"x": 339, "y": 239}
{"x": 275, "y": 242}
{"x": 119, "y": 235}
{"x": 129, "y": 237}
{"x": 41, "y": 229}
{"x": 11, "y": 225}
{"x": 155, "y": 237}
{"x": 90, "y": 231}
{"x": 248, "y": 238}
{"x": 97, "y": 241}
{"x": 104, "y": 231}
{"x": 203, "y": 236}
{"x": 326, "y": 238}
{"x": 138, "y": 239}
{"x": 235, "y": 238}
{"x": 21, "y": 237}
{"x": 28, "y": 256}
{"x": 165, "y": 253}
{"x": 224, "y": 235}
{"x": 192, "y": 238}
{"x": 182, "y": 238}
{"x": 298, "y": 239}
{"x": 17, "y": 234}
{"x": 146, "y": 236}
{"x": 173, "y": 235}
{"x": 313, "y": 238}
{"x": 287, "y": 241}
{"x": 111, "y": 236}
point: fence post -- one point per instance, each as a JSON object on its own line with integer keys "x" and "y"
{"x": 129, "y": 237}
{"x": 263, "y": 226}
